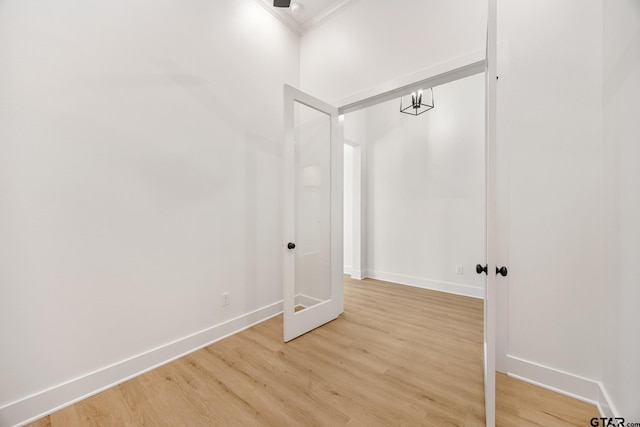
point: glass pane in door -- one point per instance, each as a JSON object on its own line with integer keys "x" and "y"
{"x": 312, "y": 134}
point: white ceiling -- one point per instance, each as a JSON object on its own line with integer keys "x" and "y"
{"x": 314, "y": 12}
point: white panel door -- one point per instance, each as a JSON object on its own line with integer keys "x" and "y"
{"x": 313, "y": 158}
{"x": 490, "y": 295}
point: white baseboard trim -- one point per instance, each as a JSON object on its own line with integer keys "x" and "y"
{"x": 348, "y": 269}
{"x": 359, "y": 274}
{"x": 571, "y": 385}
{"x": 38, "y": 405}
{"x": 418, "y": 282}
{"x": 605, "y": 404}
{"x": 562, "y": 382}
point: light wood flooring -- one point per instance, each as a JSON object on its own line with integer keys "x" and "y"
{"x": 398, "y": 356}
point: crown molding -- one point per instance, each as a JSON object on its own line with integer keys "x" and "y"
{"x": 300, "y": 29}
{"x": 281, "y": 15}
{"x": 332, "y": 10}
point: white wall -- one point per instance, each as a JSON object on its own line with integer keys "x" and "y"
{"x": 348, "y": 209}
{"x": 550, "y": 124}
{"x": 622, "y": 206}
{"x": 373, "y": 42}
{"x": 140, "y": 150}
{"x": 426, "y": 190}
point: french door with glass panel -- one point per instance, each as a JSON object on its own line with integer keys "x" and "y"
{"x": 313, "y": 157}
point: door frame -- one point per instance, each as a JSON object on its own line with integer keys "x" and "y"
{"x": 445, "y": 72}
{"x": 358, "y": 230}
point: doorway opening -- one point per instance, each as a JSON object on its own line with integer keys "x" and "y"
{"x": 423, "y": 178}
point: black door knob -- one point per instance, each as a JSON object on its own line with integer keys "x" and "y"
{"x": 480, "y": 269}
{"x": 502, "y": 271}
{"x": 291, "y": 245}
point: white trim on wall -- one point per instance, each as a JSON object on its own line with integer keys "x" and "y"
{"x": 435, "y": 285}
{"x": 38, "y": 405}
{"x": 438, "y": 74}
{"x": 358, "y": 200}
{"x": 358, "y": 274}
{"x": 334, "y": 9}
{"x": 283, "y": 16}
{"x": 565, "y": 383}
{"x": 280, "y": 15}
{"x": 605, "y": 404}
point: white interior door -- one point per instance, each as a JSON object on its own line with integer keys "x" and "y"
{"x": 490, "y": 296}
{"x": 313, "y": 169}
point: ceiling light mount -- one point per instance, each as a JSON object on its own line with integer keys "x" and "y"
{"x": 419, "y": 102}
{"x": 296, "y": 7}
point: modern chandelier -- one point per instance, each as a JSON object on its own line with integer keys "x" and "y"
{"x": 420, "y": 102}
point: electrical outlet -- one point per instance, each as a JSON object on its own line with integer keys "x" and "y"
{"x": 225, "y": 298}
{"x": 459, "y": 270}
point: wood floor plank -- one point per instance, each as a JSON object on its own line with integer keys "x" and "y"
{"x": 399, "y": 355}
